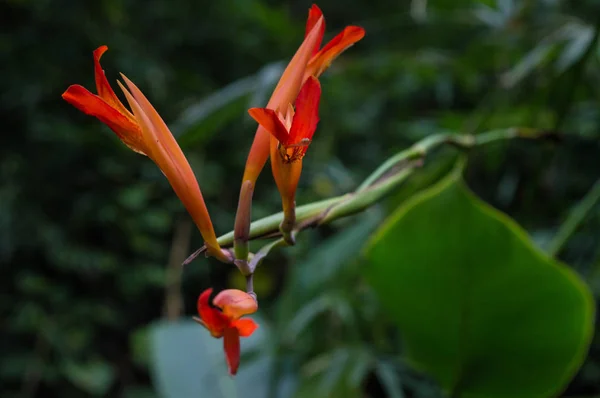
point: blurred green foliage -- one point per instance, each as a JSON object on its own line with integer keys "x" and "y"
{"x": 86, "y": 226}
{"x": 479, "y": 307}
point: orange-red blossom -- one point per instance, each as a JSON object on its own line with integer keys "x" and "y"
{"x": 308, "y": 61}
{"x": 292, "y": 132}
{"x": 144, "y": 131}
{"x": 226, "y": 322}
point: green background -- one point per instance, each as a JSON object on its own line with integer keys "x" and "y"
{"x": 91, "y": 234}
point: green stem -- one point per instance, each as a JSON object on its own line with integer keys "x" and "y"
{"x": 574, "y": 219}
{"x": 385, "y": 178}
{"x": 242, "y": 221}
{"x": 264, "y": 252}
{"x": 270, "y": 224}
{"x": 463, "y": 141}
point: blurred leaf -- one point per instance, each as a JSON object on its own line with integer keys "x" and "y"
{"x": 389, "y": 379}
{"x": 576, "y": 48}
{"x": 479, "y": 307}
{"x": 534, "y": 59}
{"x": 199, "y": 121}
{"x": 187, "y": 362}
{"x": 139, "y": 342}
{"x": 94, "y": 377}
{"x": 138, "y": 392}
{"x": 330, "y": 256}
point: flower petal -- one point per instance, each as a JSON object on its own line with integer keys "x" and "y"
{"x": 245, "y": 327}
{"x": 231, "y": 345}
{"x": 285, "y": 92}
{"x": 307, "y": 111}
{"x": 269, "y": 120}
{"x": 323, "y": 59}
{"x": 173, "y": 163}
{"x": 126, "y": 129}
{"x": 104, "y": 89}
{"x": 235, "y": 303}
{"x": 211, "y": 318}
{"x": 314, "y": 13}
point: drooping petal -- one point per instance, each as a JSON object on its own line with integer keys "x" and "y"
{"x": 323, "y": 59}
{"x": 285, "y": 92}
{"x": 306, "y": 117}
{"x": 173, "y": 163}
{"x": 104, "y": 89}
{"x": 245, "y": 327}
{"x": 210, "y": 317}
{"x": 235, "y": 303}
{"x": 231, "y": 345}
{"x": 126, "y": 128}
{"x": 269, "y": 120}
{"x": 314, "y": 14}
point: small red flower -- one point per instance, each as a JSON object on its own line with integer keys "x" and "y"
{"x": 294, "y": 129}
{"x": 226, "y": 322}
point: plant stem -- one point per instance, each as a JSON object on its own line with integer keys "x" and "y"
{"x": 385, "y": 178}
{"x": 180, "y": 246}
{"x": 575, "y": 218}
{"x": 242, "y": 221}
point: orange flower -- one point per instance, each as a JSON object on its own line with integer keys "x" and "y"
{"x": 145, "y": 132}
{"x": 226, "y": 323}
{"x": 308, "y": 61}
{"x": 285, "y": 93}
{"x": 321, "y": 60}
{"x": 295, "y": 128}
{"x": 292, "y": 133}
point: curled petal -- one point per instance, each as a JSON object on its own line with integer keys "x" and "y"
{"x": 314, "y": 14}
{"x": 211, "y": 318}
{"x": 104, "y": 89}
{"x": 322, "y": 60}
{"x": 285, "y": 92}
{"x": 269, "y": 120}
{"x": 231, "y": 345}
{"x": 306, "y": 117}
{"x": 245, "y": 327}
{"x": 126, "y": 128}
{"x": 235, "y": 303}
{"x": 168, "y": 156}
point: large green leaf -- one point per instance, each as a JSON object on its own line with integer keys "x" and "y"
{"x": 480, "y": 308}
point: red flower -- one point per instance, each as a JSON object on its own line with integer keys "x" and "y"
{"x": 295, "y": 128}
{"x": 226, "y": 322}
{"x": 308, "y": 61}
{"x": 322, "y": 59}
{"x": 144, "y": 131}
{"x": 291, "y": 133}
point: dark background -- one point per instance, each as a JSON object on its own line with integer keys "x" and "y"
{"x": 87, "y": 227}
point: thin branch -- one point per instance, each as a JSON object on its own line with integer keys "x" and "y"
{"x": 385, "y": 178}
{"x": 574, "y": 220}
{"x": 179, "y": 247}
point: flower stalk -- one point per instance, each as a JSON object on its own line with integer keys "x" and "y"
{"x": 378, "y": 184}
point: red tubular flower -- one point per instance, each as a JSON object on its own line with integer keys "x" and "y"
{"x": 287, "y": 88}
{"x": 291, "y": 133}
{"x": 145, "y": 132}
{"x": 285, "y": 93}
{"x": 293, "y": 129}
{"x": 313, "y": 64}
{"x": 226, "y": 322}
